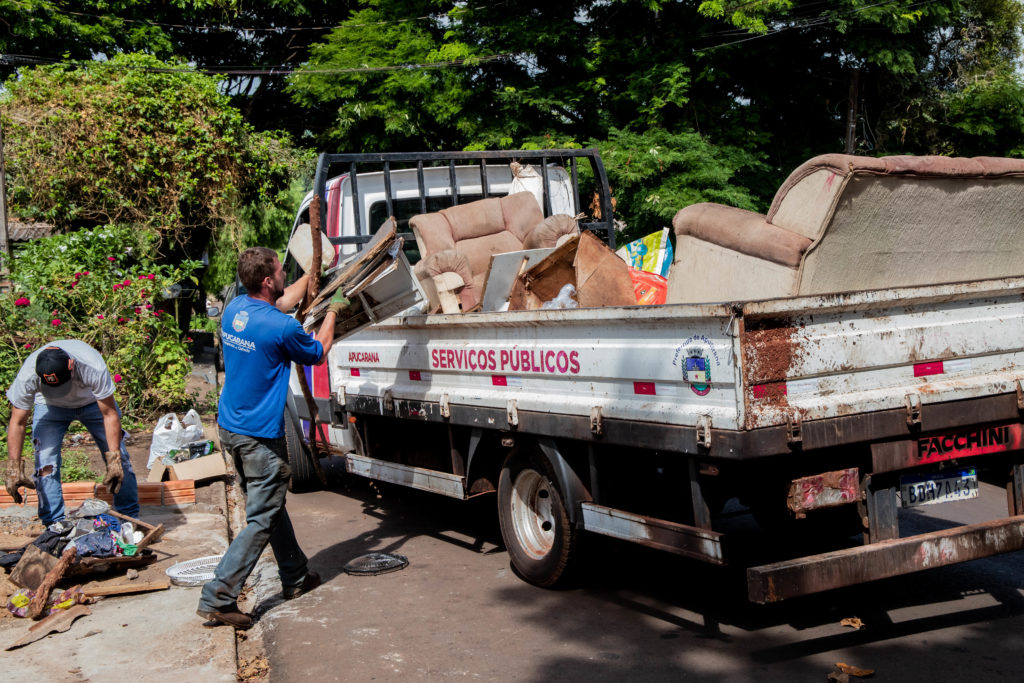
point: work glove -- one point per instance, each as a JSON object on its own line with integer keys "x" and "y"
{"x": 339, "y": 303}
{"x": 16, "y": 477}
{"x": 115, "y": 474}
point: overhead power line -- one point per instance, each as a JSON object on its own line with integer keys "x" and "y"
{"x": 268, "y": 70}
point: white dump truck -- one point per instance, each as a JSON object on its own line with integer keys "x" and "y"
{"x": 852, "y": 354}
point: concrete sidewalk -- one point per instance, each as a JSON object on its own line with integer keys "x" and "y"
{"x": 153, "y": 636}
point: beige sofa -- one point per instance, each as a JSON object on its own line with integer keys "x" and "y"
{"x": 844, "y": 223}
{"x": 461, "y": 239}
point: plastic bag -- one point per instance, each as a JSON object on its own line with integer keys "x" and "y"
{"x": 650, "y": 289}
{"x": 564, "y": 298}
{"x": 172, "y": 434}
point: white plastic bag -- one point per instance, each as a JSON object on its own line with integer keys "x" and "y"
{"x": 171, "y": 434}
{"x": 166, "y": 436}
{"x": 564, "y": 298}
{"x": 193, "y": 428}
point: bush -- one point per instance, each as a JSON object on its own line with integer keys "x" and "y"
{"x": 134, "y": 140}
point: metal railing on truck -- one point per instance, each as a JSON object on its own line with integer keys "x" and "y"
{"x": 603, "y": 226}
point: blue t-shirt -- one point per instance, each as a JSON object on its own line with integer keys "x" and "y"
{"x": 259, "y": 343}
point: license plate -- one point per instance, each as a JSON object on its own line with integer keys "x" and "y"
{"x": 929, "y": 489}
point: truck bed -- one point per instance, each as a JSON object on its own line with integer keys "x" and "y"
{"x": 815, "y": 371}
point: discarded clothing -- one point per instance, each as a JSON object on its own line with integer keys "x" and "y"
{"x": 8, "y": 560}
{"x": 96, "y": 544}
{"x": 90, "y": 508}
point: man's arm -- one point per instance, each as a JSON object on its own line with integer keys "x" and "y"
{"x": 326, "y": 334}
{"x": 292, "y": 294}
{"x": 16, "y": 433}
{"x": 111, "y": 423}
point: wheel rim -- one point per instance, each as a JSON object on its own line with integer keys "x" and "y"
{"x": 532, "y": 516}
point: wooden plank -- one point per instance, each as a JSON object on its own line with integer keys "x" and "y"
{"x": 126, "y": 588}
{"x": 58, "y": 622}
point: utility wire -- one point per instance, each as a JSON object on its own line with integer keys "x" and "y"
{"x": 279, "y": 70}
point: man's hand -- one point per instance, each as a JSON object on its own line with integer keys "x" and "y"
{"x": 115, "y": 473}
{"x": 339, "y": 303}
{"x": 16, "y": 477}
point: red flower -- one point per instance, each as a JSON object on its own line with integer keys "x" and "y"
{"x": 126, "y": 283}
{"x": 122, "y": 321}
{"x": 22, "y": 301}
{"x": 117, "y": 377}
{"x": 73, "y": 284}
{"x": 85, "y": 272}
{"x": 138, "y": 310}
{"x": 28, "y": 345}
{"x": 55, "y": 322}
{"x": 117, "y": 286}
{"x": 99, "y": 316}
{"x": 78, "y": 275}
{"x": 149, "y": 306}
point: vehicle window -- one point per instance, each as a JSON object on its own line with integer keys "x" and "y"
{"x": 407, "y": 208}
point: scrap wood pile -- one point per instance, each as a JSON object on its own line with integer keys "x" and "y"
{"x": 92, "y": 539}
{"x": 351, "y": 278}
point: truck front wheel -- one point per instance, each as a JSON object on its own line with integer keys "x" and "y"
{"x": 300, "y": 458}
{"x": 534, "y": 524}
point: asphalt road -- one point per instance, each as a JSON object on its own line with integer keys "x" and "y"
{"x": 459, "y": 612}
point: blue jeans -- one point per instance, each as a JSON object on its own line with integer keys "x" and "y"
{"x": 49, "y": 424}
{"x": 263, "y": 471}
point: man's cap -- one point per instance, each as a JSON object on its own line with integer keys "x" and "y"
{"x": 52, "y": 366}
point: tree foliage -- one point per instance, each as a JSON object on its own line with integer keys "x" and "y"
{"x": 137, "y": 141}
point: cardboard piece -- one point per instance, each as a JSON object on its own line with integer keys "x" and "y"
{"x": 601, "y": 278}
{"x": 503, "y": 270}
{"x": 198, "y": 469}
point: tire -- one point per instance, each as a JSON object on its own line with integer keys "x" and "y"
{"x": 300, "y": 459}
{"x": 534, "y": 524}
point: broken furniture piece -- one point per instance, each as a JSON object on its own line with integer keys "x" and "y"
{"x": 845, "y": 223}
{"x": 477, "y": 231}
{"x": 378, "y": 281}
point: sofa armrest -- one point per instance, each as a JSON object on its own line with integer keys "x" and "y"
{"x": 450, "y": 261}
{"x": 545, "y": 235}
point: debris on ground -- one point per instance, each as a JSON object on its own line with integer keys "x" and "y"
{"x": 253, "y": 669}
{"x": 844, "y": 671}
{"x": 58, "y": 622}
{"x": 853, "y": 622}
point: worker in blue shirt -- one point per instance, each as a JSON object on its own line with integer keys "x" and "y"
{"x": 260, "y": 342}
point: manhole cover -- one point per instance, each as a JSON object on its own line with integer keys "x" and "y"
{"x": 193, "y": 572}
{"x": 376, "y": 563}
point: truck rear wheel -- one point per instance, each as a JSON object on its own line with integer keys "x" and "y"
{"x": 300, "y": 458}
{"x": 534, "y": 523}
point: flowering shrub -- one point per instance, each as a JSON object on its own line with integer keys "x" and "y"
{"x": 100, "y": 286}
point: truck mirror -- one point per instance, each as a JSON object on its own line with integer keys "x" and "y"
{"x": 212, "y": 311}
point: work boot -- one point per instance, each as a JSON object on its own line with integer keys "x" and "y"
{"x": 232, "y": 617}
{"x": 311, "y": 581}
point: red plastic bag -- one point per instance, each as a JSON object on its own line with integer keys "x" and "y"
{"x": 650, "y": 289}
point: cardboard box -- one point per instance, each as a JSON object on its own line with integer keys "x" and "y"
{"x": 601, "y": 278}
{"x": 207, "y": 467}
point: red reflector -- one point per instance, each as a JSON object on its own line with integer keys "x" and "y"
{"x": 499, "y": 380}
{"x": 769, "y": 390}
{"x": 925, "y": 369}
{"x": 646, "y": 388}
{"x": 414, "y": 375}
{"x": 355, "y": 372}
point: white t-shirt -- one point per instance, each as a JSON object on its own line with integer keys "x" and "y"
{"x": 90, "y": 380}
